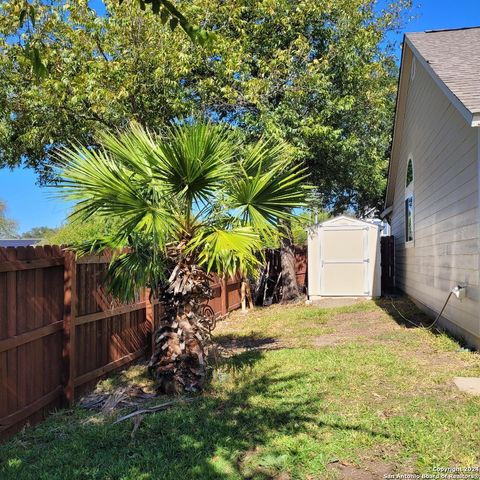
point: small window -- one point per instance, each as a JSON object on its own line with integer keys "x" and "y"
{"x": 409, "y": 218}
{"x": 409, "y": 177}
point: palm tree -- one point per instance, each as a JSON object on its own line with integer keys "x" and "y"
{"x": 191, "y": 203}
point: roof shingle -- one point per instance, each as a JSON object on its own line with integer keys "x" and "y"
{"x": 454, "y": 55}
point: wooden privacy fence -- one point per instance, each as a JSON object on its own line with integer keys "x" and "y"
{"x": 387, "y": 249}
{"x": 60, "y": 332}
{"x": 301, "y": 266}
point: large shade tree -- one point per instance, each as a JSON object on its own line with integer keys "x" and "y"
{"x": 189, "y": 203}
{"x": 319, "y": 74}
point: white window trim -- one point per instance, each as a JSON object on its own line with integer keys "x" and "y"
{"x": 409, "y": 192}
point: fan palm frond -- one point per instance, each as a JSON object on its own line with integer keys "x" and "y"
{"x": 134, "y": 148}
{"x": 227, "y": 252}
{"x": 102, "y": 183}
{"x": 269, "y": 186}
{"x": 195, "y": 161}
{"x": 142, "y": 272}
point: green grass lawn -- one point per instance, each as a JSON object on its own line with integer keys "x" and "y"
{"x": 297, "y": 392}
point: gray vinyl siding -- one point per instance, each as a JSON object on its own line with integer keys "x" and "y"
{"x": 445, "y": 250}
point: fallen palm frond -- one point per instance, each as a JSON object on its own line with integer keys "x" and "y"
{"x": 155, "y": 408}
{"x": 108, "y": 402}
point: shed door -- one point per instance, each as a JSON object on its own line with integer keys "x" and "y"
{"x": 344, "y": 257}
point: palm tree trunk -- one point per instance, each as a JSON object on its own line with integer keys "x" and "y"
{"x": 290, "y": 290}
{"x": 179, "y": 362}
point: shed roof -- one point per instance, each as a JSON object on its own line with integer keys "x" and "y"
{"x": 345, "y": 220}
{"x": 454, "y": 55}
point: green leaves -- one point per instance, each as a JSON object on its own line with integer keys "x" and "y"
{"x": 104, "y": 184}
{"x": 22, "y": 17}
{"x": 27, "y": 22}
{"x": 196, "y": 161}
{"x": 129, "y": 271}
{"x": 227, "y": 251}
{"x": 39, "y": 68}
{"x": 28, "y": 11}
{"x": 170, "y": 13}
{"x": 194, "y": 187}
{"x": 269, "y": 185}
{"x": 8, "y": 227}
{"x": 318, "y": 75}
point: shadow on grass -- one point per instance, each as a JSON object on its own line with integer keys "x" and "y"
{"x": 243, "y": 413}
{"x": 205, "y": 440}
{"x": 403, "y": 311}
{"x": 240, "y": 363}
{"x": 408, "y": 315}
{"x": 213, "y": 438}
{"x": 249, "y": 342}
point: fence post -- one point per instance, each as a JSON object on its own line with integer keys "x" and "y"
{"x": 69, "y": 311}
{"x": 224, "y": 295}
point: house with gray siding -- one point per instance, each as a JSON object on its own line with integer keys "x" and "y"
{"x": 432, "y": 199}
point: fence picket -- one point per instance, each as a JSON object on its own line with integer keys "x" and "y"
{"x": 69, "y": 306}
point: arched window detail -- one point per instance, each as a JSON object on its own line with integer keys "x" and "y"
{"x": 409, "y": 177}
{"x": 409, "y": 203}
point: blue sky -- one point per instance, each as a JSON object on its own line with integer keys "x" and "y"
{"x": 31, "y": 205}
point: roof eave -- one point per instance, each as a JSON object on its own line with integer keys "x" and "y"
{"x": 476, "y": 120}
{"x": 472, "y": 119}
{"x": 395, "y": 125}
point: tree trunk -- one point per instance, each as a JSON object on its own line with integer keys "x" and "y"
{"x": 290, "y": 290}
{"x": 179, "y": 362}
{"x": 246, "y": 295}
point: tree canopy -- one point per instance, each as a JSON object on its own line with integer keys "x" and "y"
{"x": 8, "y": 227}
{"x": 73, "y": 231}
{"x": 317, "y": 74}
{"x": 42, "y": 232}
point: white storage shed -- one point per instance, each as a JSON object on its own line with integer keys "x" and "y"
{"x": 344, "y": 259}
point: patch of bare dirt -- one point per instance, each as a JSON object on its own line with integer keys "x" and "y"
{"x": 383, "y": 326}
{"x": 370, "y": 470}
{"x": 354, "y": 327}
{"x": 446, "y": 361}
{"x": 335, "y": 302}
